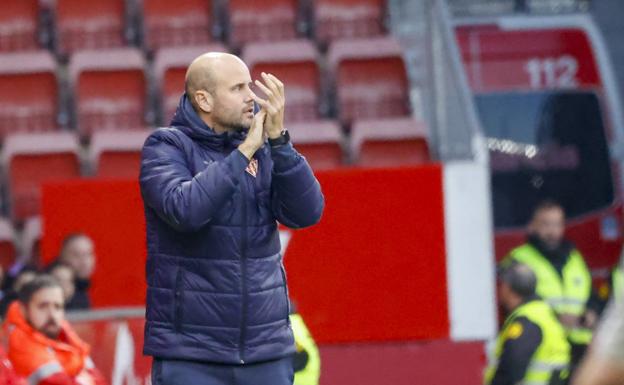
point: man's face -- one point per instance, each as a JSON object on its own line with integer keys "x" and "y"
{"x": 80, "y": 255}
{"x": 45, "y": 311}
{"x": 549, "y": 225}
{"x": 232, "y": 101}
{"x": 65, "y": 276}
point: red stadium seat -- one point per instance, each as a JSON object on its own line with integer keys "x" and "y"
{"x": 295, "y": 63}
{"x": 117, "y": 154}
{"x": 28, "y": 92}
{"x": 170, "y": 68}
{"x": 110, "y": 90}
{"x": 389, "y": 142}
{"x": 370, "y": 78}
{"x": 31, "y": 240}
{"x": 18, "y": 25}
{"x": 336, "y": 19}
{"x": 262, "y": 20}
{"x": 320, "y": 142}
{"x": 32, "y": 159}
{"x": 89, "y": 25}
{"x": 8, "y": 251}
{"x": 178, "y": 23}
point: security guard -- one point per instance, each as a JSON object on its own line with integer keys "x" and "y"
{"x": 532, "y": 347}
{"x": 563, "y": 279}
{"x": 306, "y": 360}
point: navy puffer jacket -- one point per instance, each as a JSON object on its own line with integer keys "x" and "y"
{"x": 216, "y": 282}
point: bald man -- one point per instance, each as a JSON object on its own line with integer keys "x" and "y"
{"x": 215, "y": 184}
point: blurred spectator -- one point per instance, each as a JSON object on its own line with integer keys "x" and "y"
{"x": 532, "y": 347}
{"x": 306, "y": 360}
{"x": 66, "y": 277}
{"x": 42, "y": 345}
{"x": 563, "y": 279}
{"x": 77, "y": 252}
{"x": 604, "y": 365}
{"x": 23, "y": 277}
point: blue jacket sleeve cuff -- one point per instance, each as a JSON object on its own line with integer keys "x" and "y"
{"x": 285, "y": 157}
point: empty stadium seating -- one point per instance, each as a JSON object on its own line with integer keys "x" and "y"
{"x": 261, "y": 20}
{"x": 32, "y": 159}
{"x": 320, "y": 142}
{"x": 109, "y": 89}
{"x": 370, "y": 78}
{"x": 389, "y": 142}
{"x": 169, "y": 70}
{"x": 8, "y": 251}
{"x": 28, "y": 92}
{"x": 95, "y": 24}
{"x": 19, "y": 20}
{"x": 295, "y": 64}
{"x": 117, "y": 154}
{"x": 339, "y": 19}
{"x": 178, "y": 23}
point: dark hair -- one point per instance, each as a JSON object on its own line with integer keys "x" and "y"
{"x": 68, "y": 240}
{"x": 547, "y": 204}
{"x": 520, "y": 279}
{"x": 43, "y": 281}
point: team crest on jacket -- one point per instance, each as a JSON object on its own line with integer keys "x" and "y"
{"x": 252, "y": 168}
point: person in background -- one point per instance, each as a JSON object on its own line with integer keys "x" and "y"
{"x": 65, "y": 276}
{"x": 78, "y": 252}
{"x": 42, "y": 345}
{"x": 563, "y": 279}
{"x": 24, "y": 276}
{"x": 604, "y": 364}
{"x": 531, "y": 347}
{"x": 306, "y": 359}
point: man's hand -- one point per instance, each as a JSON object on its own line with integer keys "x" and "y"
{"x": 569, "y": 321}
{"x": 273, "y": 88}
{"x": 590, "y": 319}
{"x": 255, "y": 137}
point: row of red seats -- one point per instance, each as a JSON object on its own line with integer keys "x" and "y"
{"x": 73, "y": 25}
{"x": 118, "y": 89}
{"x": 30, "y": 160}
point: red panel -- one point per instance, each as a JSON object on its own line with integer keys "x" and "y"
{"x": 111, "y": 100}
{"x": 369, "y": 251}
{"x": 183, "y": 22}
{"x": 28, "y": 172}
{"x": 553, "y": 58}
{"x": 28, "y": 103}
{"x": 262, "y": 20}
{"x": 374, "y": 88}
{"x": 19, "y": 25}
{"x": 112, "y": 214}
{"x": 302, "y": 85}
{"x": 99, "y": 25}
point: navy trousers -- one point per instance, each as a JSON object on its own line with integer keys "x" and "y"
{"x": 173, "y": 372}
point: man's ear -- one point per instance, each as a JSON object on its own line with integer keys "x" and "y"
{"x": 204, "y": 101}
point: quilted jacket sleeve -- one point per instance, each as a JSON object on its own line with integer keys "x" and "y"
{"x": 186, "y": 202}
{"x": 297, "y": 200}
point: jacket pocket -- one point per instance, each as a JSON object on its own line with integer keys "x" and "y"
{"x": 285, "y": 284}
{"x": 178, "y": 300}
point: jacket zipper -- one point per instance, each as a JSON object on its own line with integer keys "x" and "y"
{"x": 243, "y": 276}
{"x": 178, "y": 300}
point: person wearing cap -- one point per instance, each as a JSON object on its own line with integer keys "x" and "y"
{"x": 531, "y": 347}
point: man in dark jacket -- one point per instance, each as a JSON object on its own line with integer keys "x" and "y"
{"x": 214, "y": 189}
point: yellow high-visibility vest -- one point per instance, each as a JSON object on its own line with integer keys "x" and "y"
{"x": 303, "y": 339}
{"x": 552, "y": 356}
{"x": 566, "y": 295}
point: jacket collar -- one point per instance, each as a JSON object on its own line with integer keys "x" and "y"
{"x": 187, "y": 121}
{"x": 15, "y": 319}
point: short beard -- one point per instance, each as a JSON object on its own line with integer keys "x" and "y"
{"x": 234, "y": 126}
